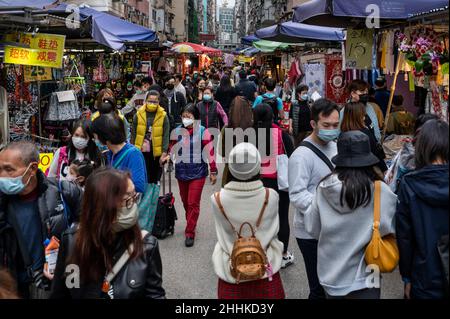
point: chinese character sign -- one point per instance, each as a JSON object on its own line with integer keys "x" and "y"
{"x": 359, "y": 49}
{"x": 45, "y": 50}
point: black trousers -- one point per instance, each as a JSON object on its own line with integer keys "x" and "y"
{"x": 308, "y": 247}
{"x": 283, "y": 212}
{"x": 154, "y": 170}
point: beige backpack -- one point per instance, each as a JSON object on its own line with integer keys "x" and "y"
{"x": 248, "y": 258}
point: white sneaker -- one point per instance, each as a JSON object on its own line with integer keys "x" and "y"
{"x": 287, "y": 260}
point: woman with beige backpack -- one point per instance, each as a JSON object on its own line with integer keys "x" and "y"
{"x": 352, "y": 216}
{"x": 247, "y": 256}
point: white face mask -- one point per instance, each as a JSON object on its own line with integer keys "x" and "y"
{"x": 126, "y": 218}
{"x": 187, "y": 122}
{"x": 79, "y": 143}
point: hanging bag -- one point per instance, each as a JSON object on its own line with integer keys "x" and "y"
{"x": 381, "y": 251}
{"x": 283, "y": 170}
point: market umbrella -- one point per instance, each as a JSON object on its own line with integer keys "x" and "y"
{"x": 109, "y": 30}
{"x": 192, "y": 48}
{"x": 344, "y": 13}
{"x": 294, "y": 32}
{"x": 249, "y": 39}
{"x": 269, "y": 46}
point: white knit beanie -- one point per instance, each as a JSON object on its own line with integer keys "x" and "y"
{"x": 244, "y": 161}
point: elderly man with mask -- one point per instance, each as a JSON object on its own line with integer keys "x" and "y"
{"x": 31, "y": 211}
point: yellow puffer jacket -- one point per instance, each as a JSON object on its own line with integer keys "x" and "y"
{"x": 157, "y": 129}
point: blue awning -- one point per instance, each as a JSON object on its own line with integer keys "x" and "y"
{"x": 38, "y": 4}
{"x": 293, "y": 32}
{"x": 248, "y": 40}
{"x": 112, "y": 31}
{"x": 337, "y": 12}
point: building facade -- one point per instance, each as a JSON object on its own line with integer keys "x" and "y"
{"x": 207, "y": 20}
{"x": 180, "y": 22}
{"x": 252, "y": 15}
{"x": 226, "y": 24}
{"x": 135, "y": 11}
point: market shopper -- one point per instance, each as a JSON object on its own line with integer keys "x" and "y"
{"x": 312, "y": 162}
{"x": 176, "y": 103}
{"x": 151, "y": 134}
{"x": 191, "y": 168}
{"x": 102, "y": 95}
{"x": 122, "y": 155}
{"x": 245, "y": 199}
{"x": 422, "y": 216}
{"x": 225, "y": 93}
{"x": 270, "y": 98}
{"x": 300, "y": 115}
{"x": 404, "y": 162}
{"x": 108, "y": 229}
{"x": 109, "y": 106}
{"x": 81, "y": 146}
{"x": 359, "y": 92}
{"x": 240, "y": 120}
{"x": 212, "y": 115}
{"x": 273, "y": 141}
{"x": 382, "y": 94}
{"x": 341, "y": 218}
{"x": 136, "y": 101}
{"x": 401, "y": 122}
{"x": 353, "y": 120}
{"x": 179, "y": 87}
{"x": 30, "y": 212}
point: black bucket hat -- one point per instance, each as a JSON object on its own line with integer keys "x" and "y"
{"x": 354, "y": 150}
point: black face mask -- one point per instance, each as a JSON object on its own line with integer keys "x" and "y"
{"x": 170, "y": 87}
{"x": 364, "y": 98}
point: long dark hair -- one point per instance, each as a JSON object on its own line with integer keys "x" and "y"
{"x": 96, "y": 241}
{"x": 432, "y": 143}
{"x": 225, "y": 84}
{"x": 92, "y": 150}
{"x": 356, "y": 185}
{"x": 241, "y": 113}
{"x": 263, "y": 119}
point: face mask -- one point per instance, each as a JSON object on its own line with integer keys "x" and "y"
{"x": 126, "y": 218}
{"x": 207, "y": 98}
{"x": 364, "y": 98}
{"x": 304, "y": 97}
{"x": 329, "y": 135}
{"x": 151, "y": 107}
{"x": 170, "y": 87}
{"x": 139, "y": 92}
{"x": 187, "y": 122}
{"x": 79, "y": 142}
{"x": 13, "y": 185}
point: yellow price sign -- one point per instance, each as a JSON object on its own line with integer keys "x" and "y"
{"x": 37, "y": 73}
{"x": 44, "y": 50}
{"x": 45, "y": 159}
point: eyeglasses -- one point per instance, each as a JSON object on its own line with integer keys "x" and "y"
{"x": 134, "y": 199}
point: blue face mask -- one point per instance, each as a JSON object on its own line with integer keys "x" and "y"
{"x": 207, "y": 98}
{"x": 329, "y": 135}
{"x": 304, "y": 97}
{"x": 13, "y": 185}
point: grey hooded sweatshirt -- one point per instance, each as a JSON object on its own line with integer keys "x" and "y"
{"x": 343, "y": 235}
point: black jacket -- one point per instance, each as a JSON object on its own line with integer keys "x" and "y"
{"x": 53, "y": 222}
{"x": 225, "y": 97}
{"x": 139, "y": 278}
{"x": 177, "y": 104}
{"x": 421, "y": 222}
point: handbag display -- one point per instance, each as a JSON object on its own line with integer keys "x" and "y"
{"x": 381, "y": 251}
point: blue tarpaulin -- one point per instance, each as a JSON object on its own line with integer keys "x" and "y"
{"x": 111, "y": 31}
{"x": 248, "y": 40}
{"x": 337, "y": 12}
{"x": 38, "y": 4}
{"x": 293, "y": 32}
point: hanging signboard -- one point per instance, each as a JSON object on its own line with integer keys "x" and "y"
{"x": 37, "y": 73}
{"x": 45, "y": 50}
{"x": 359, "y": 49}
